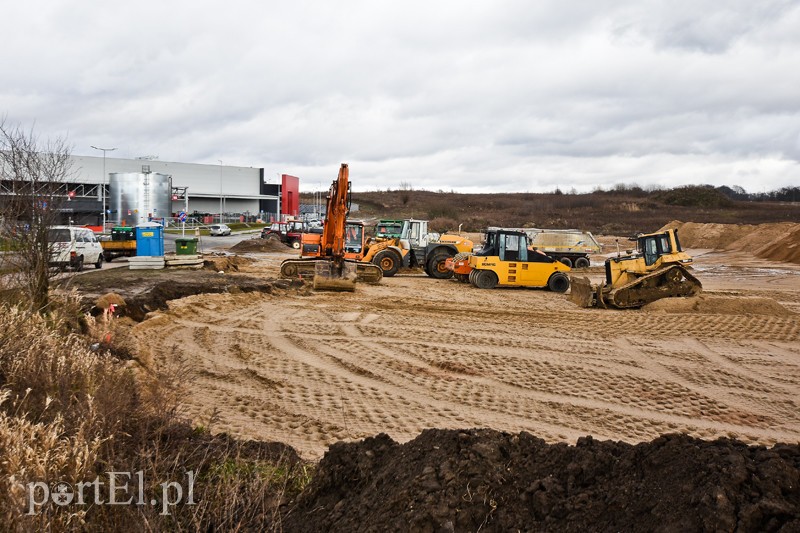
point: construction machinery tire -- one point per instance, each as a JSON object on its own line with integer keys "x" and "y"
{"x": 566, "y": 261}
{"x": 436, "y": 268}
{"x": 558, "y": 282}
{"x": 388, "y": 261}
{"x": 582, "y": 262}
{"x": 485, "y": 279}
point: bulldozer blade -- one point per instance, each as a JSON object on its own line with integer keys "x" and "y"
{"x": 581, "y": 292}
{"x": 331, "y": 277}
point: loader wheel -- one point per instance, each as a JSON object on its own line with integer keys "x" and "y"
{"x": 558, "y": 282}
{"x": 581, "y": 262}
{"x": 388, "y": 261}
{"x": 567, "y": 261}
{"x": 436, "y": 268}
{"x": 485, "y": 279}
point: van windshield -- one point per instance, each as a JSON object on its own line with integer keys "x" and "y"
{"x": 58, "y": 235}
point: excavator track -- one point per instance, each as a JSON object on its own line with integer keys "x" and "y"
{"x": 669, "y": 282}
{"x": 305, "y": 268}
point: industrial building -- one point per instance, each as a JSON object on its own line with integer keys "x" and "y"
{"x": 202, "y": 191}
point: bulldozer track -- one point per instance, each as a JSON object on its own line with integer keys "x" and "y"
{"x": 637, "y": 293}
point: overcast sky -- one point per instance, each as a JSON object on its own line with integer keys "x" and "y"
{"x": 500, "y": 95}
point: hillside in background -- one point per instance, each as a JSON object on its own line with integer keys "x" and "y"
{"x": 617, "y": 212}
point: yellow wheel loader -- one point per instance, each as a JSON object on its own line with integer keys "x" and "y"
{"x": 417, "y": 248}
{"x": 657, "y": 269}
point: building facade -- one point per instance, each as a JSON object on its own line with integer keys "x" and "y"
{"x": 199, "y": 189}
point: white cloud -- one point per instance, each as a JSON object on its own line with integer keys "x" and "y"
{"x": 506, "y": 96}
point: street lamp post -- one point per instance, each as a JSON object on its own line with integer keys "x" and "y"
{"x": 103, "y": 190}
{"x": 220, "y": 190}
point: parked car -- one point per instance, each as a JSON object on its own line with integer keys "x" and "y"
{"x": 73, "y": 246}
{"x": 219, "y": 230}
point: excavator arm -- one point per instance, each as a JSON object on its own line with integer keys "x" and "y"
{"x": 333, "y": 238}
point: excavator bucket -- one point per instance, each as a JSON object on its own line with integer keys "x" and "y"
{"x": 328, "y": 276}
{"x": 581, "y": 292}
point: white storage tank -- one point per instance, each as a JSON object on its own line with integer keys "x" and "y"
{"x": 139, "y": 197}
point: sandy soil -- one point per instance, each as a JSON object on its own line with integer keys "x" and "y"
{"x": 413, "y": 353}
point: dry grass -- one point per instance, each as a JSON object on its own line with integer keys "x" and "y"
{"x": 71, "y": 414}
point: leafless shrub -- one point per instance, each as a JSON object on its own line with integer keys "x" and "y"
{"x": 32, "y": 176}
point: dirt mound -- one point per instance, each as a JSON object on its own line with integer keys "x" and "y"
{"x": 260, "y": 245}
{"x": 776, "y": 242}
{"x": 451, "y": 480}
{"x": 716, "y": 236}
{"x": 785, "y": 248}
{"x": 718, "y": 305}
{"x": 225, "y": 263}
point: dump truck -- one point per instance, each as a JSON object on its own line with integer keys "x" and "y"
{"x": 658, "y": 268}
{"x": 570, "y": 246}
{"x": 121, "y": 243}
{"x": 388, "y": 229}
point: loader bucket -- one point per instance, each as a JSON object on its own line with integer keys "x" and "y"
{"x": 331, "y": 277}
{"x": 581, "y": 292}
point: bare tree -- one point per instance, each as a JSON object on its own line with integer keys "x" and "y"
{"x": 33, "y": 187}
{"x": 405, "y": 191}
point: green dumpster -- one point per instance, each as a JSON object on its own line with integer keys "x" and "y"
{"x": 185, "y": 246}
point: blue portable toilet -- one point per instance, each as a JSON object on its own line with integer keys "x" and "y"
{"x": 150, "y": 239}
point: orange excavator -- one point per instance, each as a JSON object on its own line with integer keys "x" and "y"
{"x": 331, "y": 270}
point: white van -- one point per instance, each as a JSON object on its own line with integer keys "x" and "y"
{"x": 72, "y": 246}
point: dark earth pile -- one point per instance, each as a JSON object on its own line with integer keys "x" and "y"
{"x": 271, "y": 244}
{"x": 469, "y": 480}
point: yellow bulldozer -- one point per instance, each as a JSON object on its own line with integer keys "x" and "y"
{"x": 657, "y": 269}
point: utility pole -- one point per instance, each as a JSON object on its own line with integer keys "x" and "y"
{"x": 103, "y": 190}
{"x": 220, "y": 190}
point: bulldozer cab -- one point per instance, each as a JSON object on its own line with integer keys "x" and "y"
{"x": 655, "y": 245}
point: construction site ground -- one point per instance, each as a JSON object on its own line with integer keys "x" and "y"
{"x": 435, "y": 406}
{"x": 312, "y": 368}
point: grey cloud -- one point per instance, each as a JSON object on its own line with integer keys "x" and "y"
{"x": 467, "y": 95}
